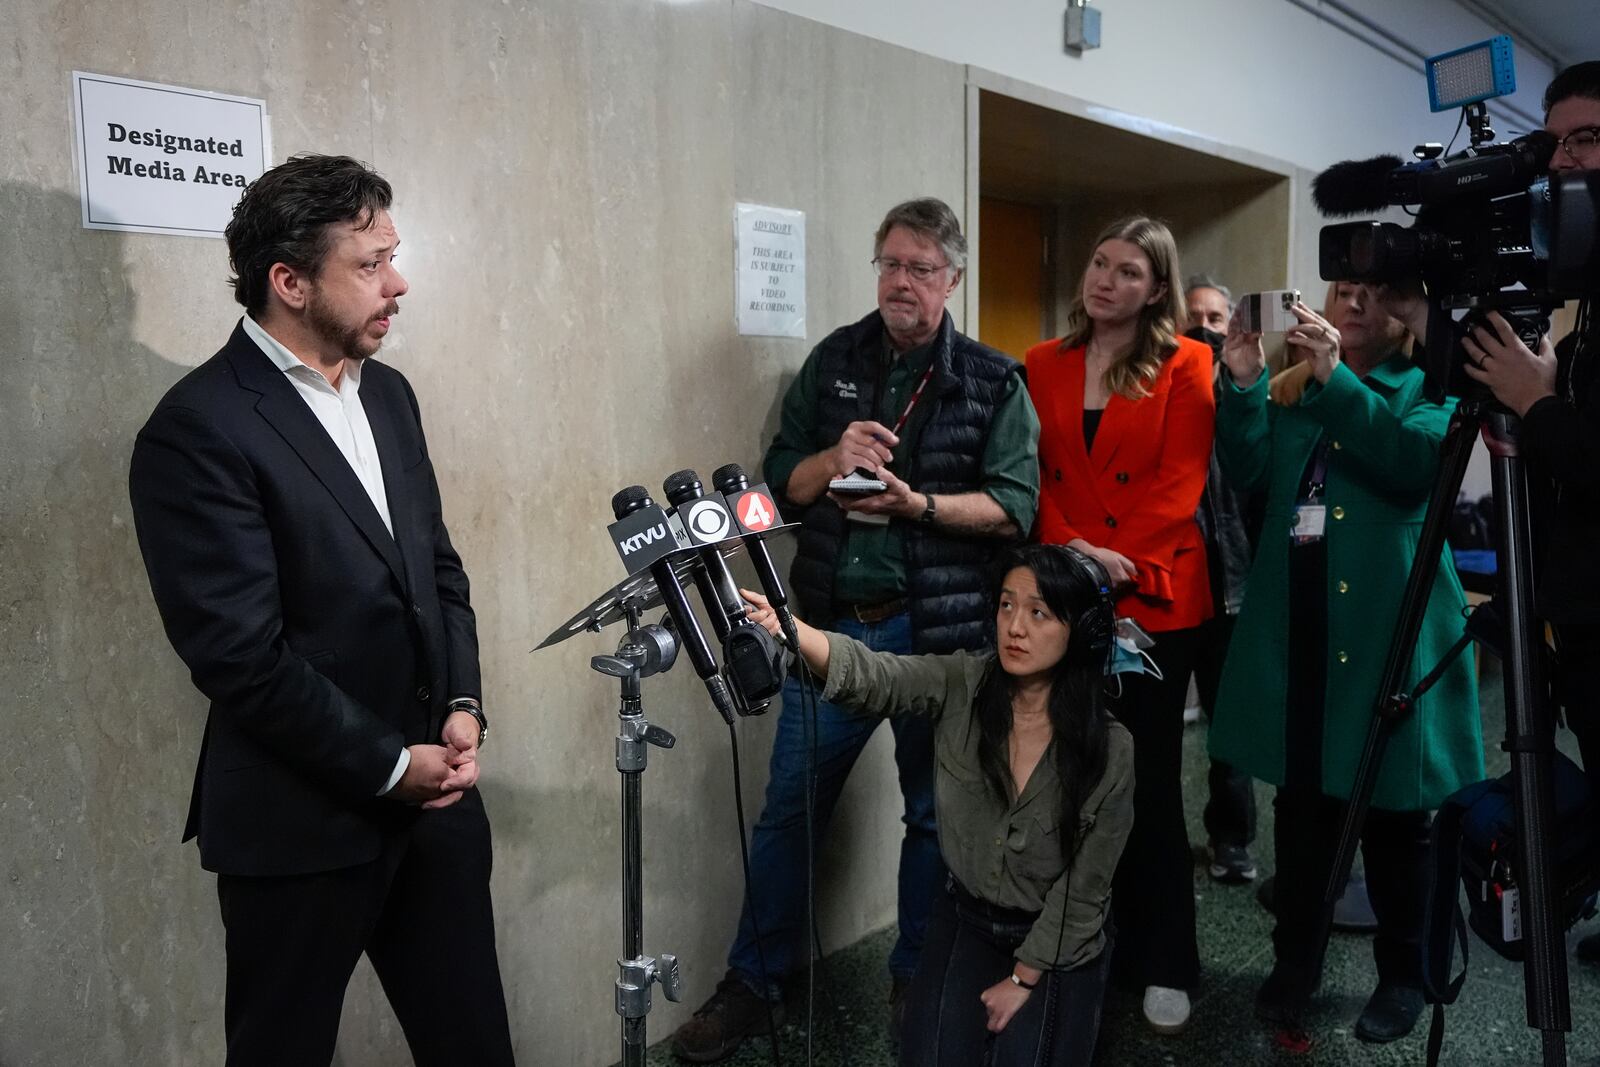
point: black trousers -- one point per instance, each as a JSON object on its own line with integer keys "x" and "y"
{"x": 1394, "y": 845}
{"x": 1577, "y": 688}
{"x": 970, "y": 946}
{"x": 421, "y": 913}
{"x": 1230, "y": 815}
{"x": 1153, "y": 891}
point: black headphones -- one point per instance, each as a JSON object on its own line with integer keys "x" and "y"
{"x": 1097, "y": 624}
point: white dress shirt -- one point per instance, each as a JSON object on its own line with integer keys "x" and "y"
{"x": 342, "y": 416}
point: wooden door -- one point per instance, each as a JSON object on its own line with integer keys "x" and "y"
{"x": 1014, "y": 271}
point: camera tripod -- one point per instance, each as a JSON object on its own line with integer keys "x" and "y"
{"x": 1530, "y": 736}
{"x": 645, "y": 650}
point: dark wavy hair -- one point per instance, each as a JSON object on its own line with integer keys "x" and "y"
{"x": 1580, "y": 79}
{"x": 287, "y": 216}
{"x": 1077, "y": 706}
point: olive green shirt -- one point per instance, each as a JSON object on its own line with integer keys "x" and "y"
{"x": 1005, "y": 852}
{"x": 872, "y": 567}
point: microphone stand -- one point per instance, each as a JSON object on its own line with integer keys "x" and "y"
{"x": 641, "y": 653}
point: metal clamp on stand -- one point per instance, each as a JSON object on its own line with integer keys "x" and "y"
{"x": 644, "y": 651}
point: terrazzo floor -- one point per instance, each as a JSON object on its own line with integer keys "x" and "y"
{"x": 1486, "y": 1026}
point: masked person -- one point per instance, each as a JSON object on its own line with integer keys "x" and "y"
{"x": 1034, "y": 784}
{"x": 1347, "y": 470}
{"x": 1229, "y": 521}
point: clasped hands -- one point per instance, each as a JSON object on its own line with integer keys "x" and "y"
{"x": 867, "y": 445}
{"x": 438, "y": 774}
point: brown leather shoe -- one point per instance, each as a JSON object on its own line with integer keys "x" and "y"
{"x": 722, "y": 1023}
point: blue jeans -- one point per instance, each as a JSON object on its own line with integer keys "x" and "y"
{"x": 778, "y": 845}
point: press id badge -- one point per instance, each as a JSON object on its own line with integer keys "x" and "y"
{"x": 1511, "y": 915}
{"x": 1310, "y": 522}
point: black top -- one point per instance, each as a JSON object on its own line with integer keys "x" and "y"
{"x": 1091, "y": 426}
{"x": 1561, "y": 440}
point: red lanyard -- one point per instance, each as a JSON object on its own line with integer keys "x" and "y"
{"x": 906, "y": 414}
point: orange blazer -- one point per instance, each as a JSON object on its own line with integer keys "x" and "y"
{"x": 1137, "y": 491}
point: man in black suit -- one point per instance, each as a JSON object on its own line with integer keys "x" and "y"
{"x": 291, "y": 526}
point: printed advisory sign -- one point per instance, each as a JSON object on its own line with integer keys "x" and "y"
{"x": 161, "y": 158}
{"x": 770, "y": 271}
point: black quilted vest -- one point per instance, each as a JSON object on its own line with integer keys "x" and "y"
{"x": 947, "y": 575}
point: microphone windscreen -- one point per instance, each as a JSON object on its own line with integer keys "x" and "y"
{"x": 729, "y": 477}
{"x": 1354, "y": 187}
{"x": 682, "y": 485}
{"x": 629, "y": 500}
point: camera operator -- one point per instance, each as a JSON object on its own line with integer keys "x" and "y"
{"x": 1556, "y": 394}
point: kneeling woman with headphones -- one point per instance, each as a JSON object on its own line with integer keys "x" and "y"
{"x": 1034, "y": 795}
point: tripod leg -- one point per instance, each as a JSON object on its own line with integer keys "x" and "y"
{"x": 1392, "y": 702}
{"x": 1530, "y": 739}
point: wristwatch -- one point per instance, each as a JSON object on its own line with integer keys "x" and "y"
{"x": 1015, "y": 980}
{"x": 927, "y": 512}
{"x": 470, "y": 706}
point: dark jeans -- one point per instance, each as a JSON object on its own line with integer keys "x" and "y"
{"x": 1230, "y": 815}
{"x": 1394, "y": 845}
{"x": 778, "y": 845}
{"x": 1153, "y": 891}
{"x": 970, "y": 947}
{"x": 421, "y": 913}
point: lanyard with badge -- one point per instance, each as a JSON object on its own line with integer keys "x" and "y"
{"x": 1311, "y": 513}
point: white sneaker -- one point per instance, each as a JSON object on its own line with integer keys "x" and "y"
{"x": 1166, "y": 1010}
{"x": 1191, "y": 714}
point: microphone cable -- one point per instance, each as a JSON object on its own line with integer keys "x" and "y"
{"x": 749, "y": 899}
{"x": 809, "y": 709}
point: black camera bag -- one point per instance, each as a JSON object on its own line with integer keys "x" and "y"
{"x": 1474, "y": 845}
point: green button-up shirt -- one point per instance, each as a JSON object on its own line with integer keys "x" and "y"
{"x": 872, "y": 568}
{"x": 1007, "y": 852}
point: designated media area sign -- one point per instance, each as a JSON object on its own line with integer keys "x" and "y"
{"x": 770, "y": 270}
{"x": 161, "y": 158}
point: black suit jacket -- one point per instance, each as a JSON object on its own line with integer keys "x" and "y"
{"x": 324, "y": 644}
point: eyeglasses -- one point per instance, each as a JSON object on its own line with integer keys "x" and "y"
{"x": 1580, "y": 142}
{"x": 886, "y": 268}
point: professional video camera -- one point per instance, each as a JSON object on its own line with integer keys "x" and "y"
{"x": 1492, "y": 230}
{"x": 1492, "y": 233}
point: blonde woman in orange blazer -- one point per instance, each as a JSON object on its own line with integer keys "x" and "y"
{"x": 1126, "y": 415}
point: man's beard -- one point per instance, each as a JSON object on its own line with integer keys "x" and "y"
{"x": 349, "y": 339}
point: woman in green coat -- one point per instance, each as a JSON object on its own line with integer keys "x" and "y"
{"x": 1347, "y": 467}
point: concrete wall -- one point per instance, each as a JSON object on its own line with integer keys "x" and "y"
{"x": 566, "y": 174}
{"x": 1263, "y": 75}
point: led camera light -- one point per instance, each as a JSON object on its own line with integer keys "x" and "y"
{"x": 1467, "y": 75}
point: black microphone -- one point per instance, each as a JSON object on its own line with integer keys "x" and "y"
{"x": 625, "y": 503}
{"x": 753, "y": 660}
{"x": 706, "y": 521}
{"x": 731, "y": 482}
{"x": 1360, "y": 187}
{"x": 1355, "y": 187}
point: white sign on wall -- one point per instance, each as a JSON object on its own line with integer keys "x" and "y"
{"x": 161, "y": 158}
{"x": 770, "y": 270}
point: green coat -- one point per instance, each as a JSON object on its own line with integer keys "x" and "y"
{"x": 1381, "y": 467}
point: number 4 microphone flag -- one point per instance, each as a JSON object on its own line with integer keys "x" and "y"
{"x": 756, "y": 512}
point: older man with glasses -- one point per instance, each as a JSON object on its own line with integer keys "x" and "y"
{"x": 903, "y": 400}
